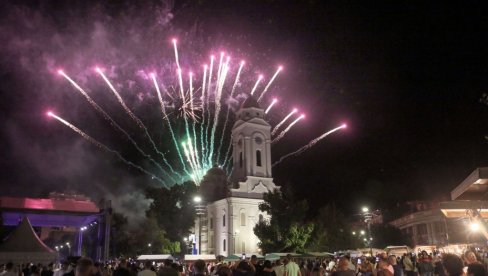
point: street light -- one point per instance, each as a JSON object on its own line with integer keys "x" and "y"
{"x": 368, "y": 216}
{"x": 474, "y": 226}
{"x": 362, "y": 232}
{"x": 354, "y": 233}
{"x": 69, "y": 248}
{"x": 365, "y": 209}
{"x": 197, "y": 199}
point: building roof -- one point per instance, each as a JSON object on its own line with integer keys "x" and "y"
{"x": 48, "y": 204}
{"x": 474, "y": 187}
{"x": 24, "y": 239}
{"x": 250, "y": 102}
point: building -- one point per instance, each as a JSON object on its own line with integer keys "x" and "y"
{"x": 226, "y": 224}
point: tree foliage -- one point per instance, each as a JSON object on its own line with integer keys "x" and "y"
{"x": 173, "y": 209}
{"x": 287, "y": 229}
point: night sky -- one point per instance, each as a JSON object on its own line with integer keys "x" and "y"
{"x": 406, "y": 77}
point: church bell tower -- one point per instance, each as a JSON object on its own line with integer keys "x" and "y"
{"x": 251, "y": 142}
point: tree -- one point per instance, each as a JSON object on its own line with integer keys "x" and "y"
{"x": 287, "y": 230}
{"x": 173, "y": 209}
{"x": 332, "y": 231}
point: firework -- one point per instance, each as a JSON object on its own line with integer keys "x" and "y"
{"x": 275, "y": 129}
{"x": 271, "y": 105}
{"x": 256, "y": 84}
{"x": 282, "y": 134}
{"x": 310, "y": 144}
{"x": 199, "y": 128}
{"x": 104, "y": 147}
{"x": 270, "y": 82}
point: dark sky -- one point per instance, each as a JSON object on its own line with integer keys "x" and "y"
{"x": 406, "y": 77}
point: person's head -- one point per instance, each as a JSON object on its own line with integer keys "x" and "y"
{"x": 224, "y": 270}
{"x": 453, "y": 265}
{"x": 288, "y": 258}
{"x": 65, "y": 265}
{"x": 476, "y": 269}
{"x": 343, "y": 263}
{"x": 147, "y": 264}
{"x": 392, "y": 260}
{"x": 383, "y": 256}
{"x": 123, "y": 263}
{"x": 267, "y": 264}
{"x": 470, "y": 257}
{"x": 168, "y": 262}
{"x": 278, "y": 262}
{"x": 199, "y": 267}
{"x": 254, "y": 259}
{"x": 84, "y": 267}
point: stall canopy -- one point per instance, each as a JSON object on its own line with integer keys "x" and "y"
{"x": 205, "y": 257}
{"x": 23, "y": 245}
{"x": 156, "y": 257}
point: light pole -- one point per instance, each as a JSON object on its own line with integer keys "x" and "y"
{"x": 236, "y": 232}
{"x": 200, "y": 210}
{"x": 367, "y": 215}
{"x": 69, "y": 248}
{"x": 149, "y": 247}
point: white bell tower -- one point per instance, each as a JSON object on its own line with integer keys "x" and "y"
{"x": 251, "y": 142}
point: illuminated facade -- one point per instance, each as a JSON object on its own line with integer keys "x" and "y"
{"x": 227, "y": 227}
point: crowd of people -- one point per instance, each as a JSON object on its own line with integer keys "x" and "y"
{"x": 469, "y": 264}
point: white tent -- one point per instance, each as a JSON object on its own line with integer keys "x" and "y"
{"x": 155, "y": 257}
{"x": 23, "y": 245}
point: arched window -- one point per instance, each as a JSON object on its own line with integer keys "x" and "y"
{"x": 258, "y": 158}
{"x": 240, "y": 159}
{"x": 261, "y": 218}
{"x": 243, "y": 219}
{"x": 223, "y": 244}
{"x": 223, "y": 220}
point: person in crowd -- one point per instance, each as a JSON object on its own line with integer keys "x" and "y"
{"x": 167, "y": 269}
{"x": 408, "y": 265}
{"x": 279, "y": 269}
{"x": 257, "y": 266}
{"x": 9, "y": 270}
{"x": 84, "y": 267}
{"x": 476, "y": 269}
{"x": 62, "y": 270}
{"x": 351, "y": 266}
{"x": 397, "y": 268}
{"x": 438, "y": 268}
{"x": 199, "y": 268}
{"x": 331, "y": 266}
{"x": 122, "y": 269}
{"x": 223, "y": 270}
{"x": 383, "y": 268}
{"x": 35, "y": 270}
{"x": 303, "y": 269}
{"x": 268, "y": 269}
{"x": 453, "y": 265}
{"x": 243, "y": 268}
{"x": 48, "y": 270}
{"x": 425, "y": 266}
{"x": 147, "y": 271}
{"x": 365, "y": 268}
{"x": 343, "y": 268}
{"x": 291, "y": 268}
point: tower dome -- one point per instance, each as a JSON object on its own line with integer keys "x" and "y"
{"x": 250, "y": 102}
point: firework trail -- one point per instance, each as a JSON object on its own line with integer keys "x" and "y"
{"x": 176, "y": 53}
{"x": 165, "y": 117}
{"x": 137, "y": 120}
{"x": 207, "y": 150}
{"x": 256, "y": 84}
{"x": 192, "y": 108}
{"x": 269, "y": 83}
{"x": 204, "y": 80}
{"x": 227, "y": 115}
{"x": 111, "y": 121}
{"x": 221, "y": 75}
{"x": 309, "y": 145}
{"x": 271, "y": 105}
{"x": 275, "y": 129}
{"x": 104, "y": 147}
{"x": 282, "y": 134}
